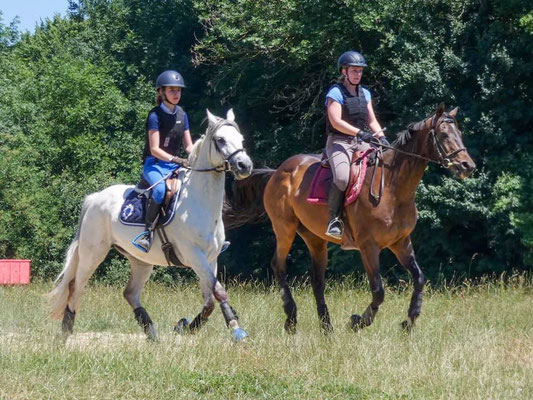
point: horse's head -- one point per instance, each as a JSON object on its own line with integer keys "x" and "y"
{"x": 226, "y": 148}
{"x": 447, "y": 142}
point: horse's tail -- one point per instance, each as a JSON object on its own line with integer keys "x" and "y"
{"x": 59, "y": 297}
{"x": 246, "y": 204}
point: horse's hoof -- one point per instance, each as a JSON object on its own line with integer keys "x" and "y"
{"x": 151, "y": 333}
{"x": 407, "y": 326}
{"x": 61, "y": 338}
{"x": 239, "y": 335}
{"x": 356, "y": 322}
{"x": 182, "y": 326}
{"x": 290, "y": 327}
{"x": 327, "y": 330}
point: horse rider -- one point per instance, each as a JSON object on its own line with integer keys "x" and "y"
{"x": 166, "y": 126}
{"x": 349, "y": 115}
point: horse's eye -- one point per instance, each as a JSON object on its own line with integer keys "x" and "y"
{"x": 221, "y": 141}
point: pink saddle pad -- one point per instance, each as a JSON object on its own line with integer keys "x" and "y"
{"x": 318, "y": 193}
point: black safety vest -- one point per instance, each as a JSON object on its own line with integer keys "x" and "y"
{"x": 354, "y": 110}
{"x": 171, "y": 129}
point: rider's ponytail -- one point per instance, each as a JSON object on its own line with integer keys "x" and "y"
{"x": 159, "y": 97}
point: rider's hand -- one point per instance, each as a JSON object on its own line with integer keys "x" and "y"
{"x": 383, "y": 140}
{"x": 181, "y": 161}
{"x": 365, "y": 136}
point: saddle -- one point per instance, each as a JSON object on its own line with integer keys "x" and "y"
{"x": 323, "y": 178}
{"x": 173, "y": 186}
{"x": 133, "y": 210}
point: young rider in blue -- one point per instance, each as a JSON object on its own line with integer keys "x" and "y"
{"x": 349, "y": 115}
{"x": 166, "y": 126}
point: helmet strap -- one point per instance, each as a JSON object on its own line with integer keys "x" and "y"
{"x": 349, "y": 81}
{"x": 165, "y": 98}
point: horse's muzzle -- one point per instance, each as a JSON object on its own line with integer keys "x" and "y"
{"x": 241, "y": 165}
{"x": 463, "y": 168}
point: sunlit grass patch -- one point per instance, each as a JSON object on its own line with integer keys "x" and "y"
{"x": 472, "y": 341}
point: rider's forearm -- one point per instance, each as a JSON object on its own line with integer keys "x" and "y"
{"x": 345, "y": 127}
{"x": 161, "y": 154}
{"x": 376, "y": 128}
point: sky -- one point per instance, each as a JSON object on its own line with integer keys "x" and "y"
{"x": 31, "y": 12}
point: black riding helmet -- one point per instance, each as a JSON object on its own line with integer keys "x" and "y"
{"x": 170, "y": 78}
{"x": 351, "y": 58}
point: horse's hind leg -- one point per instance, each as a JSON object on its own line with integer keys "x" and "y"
{"x": 319, "y": 261}
{"x": 406, "y": 256}
{"x": 140, "y": 274}
{"x": 370, "y": 256}
{"x": 90, "y": 256}
{"x": 285, "y": 231}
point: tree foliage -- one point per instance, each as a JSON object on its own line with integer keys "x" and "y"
{"x": 74, "y": 95}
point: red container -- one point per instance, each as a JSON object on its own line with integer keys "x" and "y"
{"x": 14, "y": 272}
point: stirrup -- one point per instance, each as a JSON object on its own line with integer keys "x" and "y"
{"x": 224, "y": 246}
{"x": 334, "y": 231}
{"x": 147, "y": 235}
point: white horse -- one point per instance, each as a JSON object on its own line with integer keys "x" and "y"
{"x": 196, "y": 232}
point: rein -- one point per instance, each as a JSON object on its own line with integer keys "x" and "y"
{"x": 445, "y": 160}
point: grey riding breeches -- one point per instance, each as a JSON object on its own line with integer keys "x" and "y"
{"x": 340, "y": 150}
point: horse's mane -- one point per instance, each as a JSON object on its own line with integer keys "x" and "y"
{"x": 195, "y": 150}
{"x": 210, "y": 127}
{"x": 404, "y": 137}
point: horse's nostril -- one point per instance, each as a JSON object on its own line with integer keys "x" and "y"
{"x": 467, "y": 166}
{"x": 241, "y": 165}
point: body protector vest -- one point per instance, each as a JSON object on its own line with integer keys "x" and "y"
{"x": 354, "y": 110}
{"x": 171, "y": 129}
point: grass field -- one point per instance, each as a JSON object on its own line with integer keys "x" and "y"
{"x": 471, "y": 342}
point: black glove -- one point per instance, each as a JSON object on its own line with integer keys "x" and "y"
{"x": 383, "y": 140}
{"x": 365, "y": 136}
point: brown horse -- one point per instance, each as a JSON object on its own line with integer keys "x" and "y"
{"x": 370, "y": 225}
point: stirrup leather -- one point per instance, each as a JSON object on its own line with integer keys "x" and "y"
{"x": 334, "y": 225}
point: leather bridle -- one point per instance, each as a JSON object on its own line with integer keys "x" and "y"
{"x": 444, "y": 160}
{"x": 226, "y": 165}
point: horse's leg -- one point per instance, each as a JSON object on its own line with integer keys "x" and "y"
{"x": 285, "y": 232}
{"x": 139, "y": 275}
{"x": 319, "y": 261}
{"x": 230, "y": 315}
{"x": 370, "y": 256}
{"x": 406, "y": 256}
{"x": 90, "y": 256}
{"x": 211, "y": 289}
{"x": 207, "y": 309}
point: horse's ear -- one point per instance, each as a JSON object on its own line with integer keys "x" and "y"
{"x": 230, "y": 116}
{"x": 440, "y": 109}
{"x": 453, "y": 113}
{"x": 212, "y": 119}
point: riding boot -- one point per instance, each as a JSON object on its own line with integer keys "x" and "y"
{"x": 144, "y": 240}
{"x": 335, "y": 206}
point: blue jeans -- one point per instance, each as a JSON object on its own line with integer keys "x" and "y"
{"x": 153, "y": 171}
